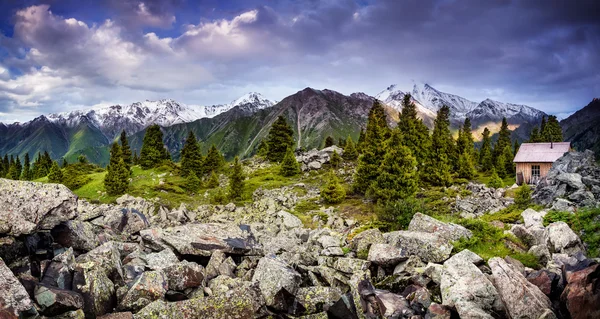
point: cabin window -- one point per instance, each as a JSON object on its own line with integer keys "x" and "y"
{"x": 535, "y": 171}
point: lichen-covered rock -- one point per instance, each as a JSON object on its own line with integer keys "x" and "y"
{"x": 273, "y": 274}
{"x": 60, "y": 271}
{"x": 533, "y": 218}
{"x": 467, "y": 289}
{"x": 54, "y": 301}
{"x": 545, "y": 280}
{"x": 160, "y": 260}
{"x": 117, "y": 315}
{"x": 541, "y": 252}
{"x": 362, "y": 242}
{"x": 243, "y": 302}
{"x": 563, "y": 239}
{"x": 26, "y": 207}
{"x": 97, "y": 290}
{"x": 391, "y": 305}
{"x": 581, "y": 295}
{"x": 184, "y": 275}
{"x": 521, "y": 298}
{"x": 77, "y": 234}
{"x": 105, "y": 257}
{"x": 350, "y": 265}
{"x": 449, "y": 231}
{"x": 427, "y": 246}
{"x": 288, "y": 220}
{"x": 437, "y": 311}
{"x": 13, "y": 296}
{"x": 150, "y": 286}
{"x": 408, "y": 266}
{"x": 75, "y": 314}
{"x": 316, "y": 299}
{"x": 385, "y": 255}
{"x": 215, "y": 261}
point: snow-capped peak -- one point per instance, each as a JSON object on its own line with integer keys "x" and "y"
{"x": 433, "y": 99}
{"x": 254, "y": 98}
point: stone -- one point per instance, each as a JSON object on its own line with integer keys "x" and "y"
{"x": 521, "y": 298}
{"x": 468, "y": 256}
{"x": 571, "y": 179}
{"x": 314, "y": 165}
{"x": 517, "y": 265}
{"x": 428, "y": 247}
{"x": 184, "y": 275}
{"x": 76, "y": 234}
{"x": 449, "y": 231}
{"x": 541, "y": 252}
{"x": 60, "y": 271}
{"x": 316, "y": 299}
{"x": 350, "y": 265}
{"x": 434, "y": 271}
{"x": 117, "y": 315}
{"x": 289, "y": 221}
{"x": 533, "y": 218}
{"x": 75, "y": 314}
{"x": 385, "y": 255}
{"x": 562, "y": 205}
{"x": 344, "y": 308}
{"x": 97, "y": 290}
{"x": 408, "y": 266}
{"x": 200, "y": 239}
{"x": 13, "y": 296}
{"x": 27, "y": 207}
{"x": 581, "y": 295}
{"x": 362, "y": 242}
{"x": 467, "y": 289}
{"x": 160, "y": 260}
{"x": 227, "y": 267}
{"x": 545, "y": 280}
{"x": 54, "y": 301}
{"x": 391, "y": 305}
{"x": 437, "y": 311}
{"x": 215, "y": 261}
{"x": 273, "y": 274}
{"x": 150, "y": 286}
{"x": 105, "y": 257}
{"x": 563, "y": 240}
{"x": 523, "y": 234}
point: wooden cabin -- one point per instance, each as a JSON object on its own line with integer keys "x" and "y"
{"x": 534, "y": 160}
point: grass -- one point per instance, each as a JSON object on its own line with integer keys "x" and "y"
{"x": 484, "y": 178}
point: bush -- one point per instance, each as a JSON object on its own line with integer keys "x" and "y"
{"x": 213, "y": 181}
{"x": 218, "y": 197}
{"x": 55, "y": 175}
{"x": 289, "y": 165}
{"x": 523, "y": 196}
{"x": 192, "y": 182}
{"x": 335, "y": 160}
{"x": 495, "y": 180}
{"x": 398, "y": 214}
{"x": 333, "y": 192}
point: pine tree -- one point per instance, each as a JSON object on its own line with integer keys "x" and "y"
{"x": 350, "y": 152}
{"x": 509, "y": 165}
{"x": 236, "y": 180}
{"x": 153, "y": 150}
{"x": 503, "y": 140}
{"x": 415, "y": 134}
{"x": 516, "y": 147}
{"x": 116, "y": 181}
{"x": 280, "y": 138}
{"x": 289, "y": 165}
{"x": 495, "y": 180}
{"x": 523, "y": 196}
{"x": 361, "y": 141}
{"x": 191, "y": 157}
{"x": 442, "y": 147}
{"x": 19, "y": 167}
{"x": 397, "y": 174}
{"x": 125, "y": 150}
{"x": 64, "y": 163}
{"x": 341, "y": 142}
{"x": 333, "y": 192}
{"x": 192, "y": 182}
{"x": 534, "y": 136}
{"x": 371, "y": 153}
{"x": 329, "y": 141}
{"x": 263, "y": 149}
{"x": 26, "y": 173}
{"x": 543, "y": 124}
{"x": 466, "y": 167}
{"x": 335, "y": 161}
{"x": 12, "y": 172}
{"x": 485, "y": 154}
{"x": 213, "y": 180}
{"x": 552, "y": 132}
{"x": 55, "y": 175}
{"x": 214, "y": 160}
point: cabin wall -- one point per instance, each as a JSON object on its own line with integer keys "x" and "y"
{"x": 525, "y": 168}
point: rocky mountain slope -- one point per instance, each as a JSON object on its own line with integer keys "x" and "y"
{"x": 582, "y": 128}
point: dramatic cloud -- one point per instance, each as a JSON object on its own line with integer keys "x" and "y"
{"x": 530, "y": 52}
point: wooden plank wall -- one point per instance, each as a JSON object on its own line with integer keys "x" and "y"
{"x": 526, "y": 169}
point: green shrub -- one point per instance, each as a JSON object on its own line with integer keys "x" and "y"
{"x": 218, "y": 197}
{"x": 398, "y": 214}
{"x": 213, "y": 181}
{"x": 289, "y": 165}
{"x": 510, "y": 214}
{"x": 495, "y": 180}
{"x": 333, "y": 192}
{"x": 335, "y": 160}
{"x": 192, "y": 182}
{"x": 523, "y": 196}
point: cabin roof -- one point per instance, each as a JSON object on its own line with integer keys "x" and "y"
{"x": 541, "y": 152}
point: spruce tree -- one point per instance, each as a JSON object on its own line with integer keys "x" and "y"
{"x": 125, "y": 150}
{"x": 523, "y": 196}
{"x": 552, "y": 132}
{"x": 495, "y": 180}
{"x": 116, "y": 181}
{"x": 55, "y": 175}
{"x": 438, "y": 169}
{"x": 19, "y": 167}
{"x": 372, "y": 152}
{"x": 214, "y": 160}
{"x": 466, "y": 167}
{"x": 192, "y": 182}
{"x": 64, "y": 163}
{"x": 485, "y": 153}
{"x": 136, "y": 158}
{"x": 397, "y": 174}
{"x": 341, "y": 142}
{"x": 516, "y": 147}
{"x": 415, "y": 134}
{"x": 335, "y": 161}
{"x": 333, "y": 192}
{"x": 236, "y": 180}
{"x": 26, "y": 173}
{"x": 361, "y": 141}
{"x": 289, "y": 164}
{"x": 12, "y": 172}
{"x": 503, "y": 139}
{"x": 465, "y": 141}
{"x": 280, "y": 138}
{"x": 213, "y": 180}
{"x": 329, "y": 141}
{"x": 509, "y": 165}
{"x": 500, "y": 167}
{"x": 350, "y": 152}
{"x": 543, "y": 124}
{"x": 153, "y": 151}
{"x": 263, "y": 149}
{"x": 191, "y": 157}
{"x": 534, "y": 135}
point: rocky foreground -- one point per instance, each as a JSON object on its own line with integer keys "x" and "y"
{"x": 66, "y": 258}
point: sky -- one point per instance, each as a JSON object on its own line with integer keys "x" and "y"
{"x": 60, "y": 55}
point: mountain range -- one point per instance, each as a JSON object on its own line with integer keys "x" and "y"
{"x": 237, "y": 128}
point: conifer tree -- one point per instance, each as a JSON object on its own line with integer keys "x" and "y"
{"x": 543, "y": 124}
{"x": 465, "y": 141}
{"x": 329, "y": 141}
{"x": 153, "y": 151}
{"x": 116, "y": 181}
{"x": 280, "y": 138}
{"x": 415, "y": 134}
{"x": 333, "y": 192}
{"x": 397, "y": 174}
{"x": 55, "y": 175}
{"x": 289, "y": 165}
{"x": 1, "y": 168}
{"x": 192, "y": 182}
{"x": 214, "y": 160}
{"x": 516, "y": 147}
{"x": 335, "y": 161}
{"x": 125, "y": 150}
{"x": 263, "y": 149}
{"x": 371, "y": 152}
{"x": 341, "y": 142}
{"x": 236, "y": 180}
{"x": 26, "y": 173}
{"x": 466, "y": 167}
{"x": 495, "y": 180}
{"x": 350, "y": 152}
{"x": 213, "y": 180}
{"x": 64, "y": 163}
{"x": 361, "y": 141}
{"x": 19, "y": 167}
{"x": 509, "y": 165}
{"x": 191, "y": 157}
{"x": 136, "y": 158}
{"x": 523, "y": 196}
{"x": 503, "y": 140}
{"x": 12, "y": 172}
{"x": 552, "y": 132}
{"x": 485, "y": 154}
{"x": 500, "y": 167}
{"x": 442, "y": 148}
